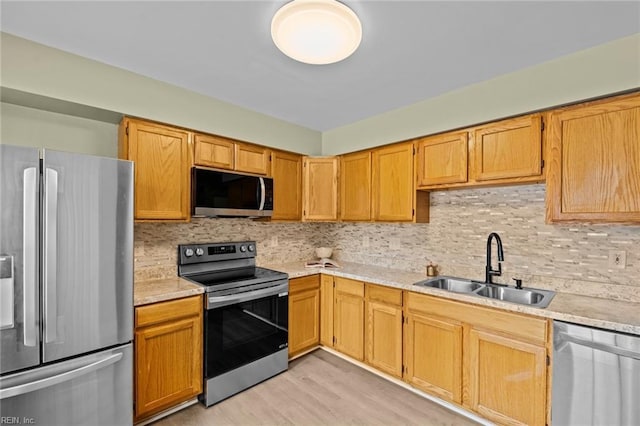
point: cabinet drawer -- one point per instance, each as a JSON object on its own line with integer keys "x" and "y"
{"x": 310, "y": 282}
{"x": 388, "y": 295}
{"x": 166, "y": 311}
{"x": 528, "y": 328}
{"x": 346, "y": 285}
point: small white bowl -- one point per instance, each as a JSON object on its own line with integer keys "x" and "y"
{"x": 324, "y": 252}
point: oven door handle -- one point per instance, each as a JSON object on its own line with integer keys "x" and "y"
{"x": 280, "y": 290}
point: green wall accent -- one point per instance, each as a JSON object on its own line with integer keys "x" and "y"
{"x": 605, "y": 69}
{"x": 37, "y": 69}
{"x": 43, "y": 129}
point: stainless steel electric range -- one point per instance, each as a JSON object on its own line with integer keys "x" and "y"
{"x": 245, "y": 318}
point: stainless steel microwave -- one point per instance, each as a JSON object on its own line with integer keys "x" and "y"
{"x": 229, "y": 194}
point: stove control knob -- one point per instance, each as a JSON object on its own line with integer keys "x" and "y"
{"x": 188, "y": 252}
{"x": 243, "y": 248}
{"x": 199, "y": 252}
{"x": 251, "y": 247}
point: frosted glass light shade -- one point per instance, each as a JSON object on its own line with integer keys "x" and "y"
{"x": 316, "y": 31}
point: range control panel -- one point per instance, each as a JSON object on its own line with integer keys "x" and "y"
{"x": 213, "y": 252}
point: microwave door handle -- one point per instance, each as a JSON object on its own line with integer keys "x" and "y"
{"x": 262, "y": 194}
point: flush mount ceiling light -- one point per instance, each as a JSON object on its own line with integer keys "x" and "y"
{"x": 316, "y": 31}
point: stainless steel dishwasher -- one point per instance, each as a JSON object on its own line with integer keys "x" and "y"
{"x": 596, "y": 377}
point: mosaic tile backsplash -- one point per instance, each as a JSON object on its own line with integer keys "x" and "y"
{"x": 569, "y": 257}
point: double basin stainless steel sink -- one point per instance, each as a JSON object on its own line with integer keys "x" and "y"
{"x": 524, "y": 296}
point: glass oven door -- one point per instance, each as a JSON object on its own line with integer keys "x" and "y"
{"x": 240, "y": 329}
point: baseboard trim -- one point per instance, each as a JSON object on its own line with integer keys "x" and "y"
{"x": 168, "y": 412}
{"x": 446, "y": 404}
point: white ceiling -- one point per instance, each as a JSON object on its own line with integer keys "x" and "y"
{"x": 411, "y": 50}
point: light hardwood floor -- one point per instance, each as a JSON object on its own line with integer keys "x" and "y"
{"x": 320, "y": 389}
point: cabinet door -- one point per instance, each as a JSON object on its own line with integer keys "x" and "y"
{"x": 393, "y": 191}
{"x": 507, "y": 379}
{"x": 168, "y": 353}
{"x": 509, "y": 149}
{"x": 304, "y": 314}
{"x": 442, "y": 159}
{"x": 286, "y": 170}
{"x": 251, "y": 159}
{"x": 433, "y": 355}
{"x": 211, "y": 151}
{"x": 349, "y": 317}
{"x": 384, "y": 337}
{"x": 320, "y": 188}
{"x": 355, "y": 186}
{"x": 326, "y": 310}
{"x": 594, "y": 170}
{"x": 162, "y": 166}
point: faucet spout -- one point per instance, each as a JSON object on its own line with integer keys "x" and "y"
{"x": 489, "y": 271}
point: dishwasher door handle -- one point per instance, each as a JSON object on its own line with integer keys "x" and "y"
{"x": 564, "y": 337}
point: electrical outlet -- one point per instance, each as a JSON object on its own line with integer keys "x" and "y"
{"x": 617, "y": 259}
{"x": 365, "y": 242}
{"x": 274, "y": 241}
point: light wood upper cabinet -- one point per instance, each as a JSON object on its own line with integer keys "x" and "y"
{"x": 304, "y": 314}
{"x": 383, "y": 329}
{"x": 442, "y": 159}
{"x": 251, "y": 158}
{"x": 348, "y": 324}
{"x": 320, "y": 188}
{"x": 594, "y": 170}
{"x": 286, "y": 171}
{"x": 327, "y": 302}
{"x": 168, "y": 354}
{"x": 213, "y": 151}
{"x": 394, "y": 196}
{"x": 507, "y": 378}
{"x": 162, "y": 166}
{"x": 508, "y": 149}
{"x": 355, "y": 186}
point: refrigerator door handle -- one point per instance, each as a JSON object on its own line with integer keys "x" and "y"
{"x": 50, "y": 252}
{"x": 36, "y": 385}
{"x": 30, "y": 255}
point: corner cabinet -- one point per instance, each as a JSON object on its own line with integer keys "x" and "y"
{"x": 162, "y": 166}
{"x": 320, "y": 188}
{"x": 304, "y": 314}
{"x": 594, "y": 170}
{"x": 286, "y": 171}
{"x": 394, "y": 196}
{"x": 168, "y": 354}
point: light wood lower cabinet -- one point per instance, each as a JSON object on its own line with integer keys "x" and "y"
{"x": 383, "y": 324}
{"x": 168, "y": 354}
{"x": 326, "y": 310}
{"x": 490, "y": 361}
{"x": 348, "y": 327}
{"x": 433, "y": 355}
{"x": 304, "y": 314}
{"x": 507, "y": 378}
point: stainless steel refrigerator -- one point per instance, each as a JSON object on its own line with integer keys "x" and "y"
{"x": 66, "y": 288}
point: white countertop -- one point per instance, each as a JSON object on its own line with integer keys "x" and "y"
{"x": 591, "y": 311}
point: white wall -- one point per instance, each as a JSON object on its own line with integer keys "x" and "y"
{"x": 601, "y": 70}
{"x": 32, "y": 127}
{"x": 37, "y": 69}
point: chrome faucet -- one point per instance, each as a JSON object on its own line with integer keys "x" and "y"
{"x": 491, "y": 272}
